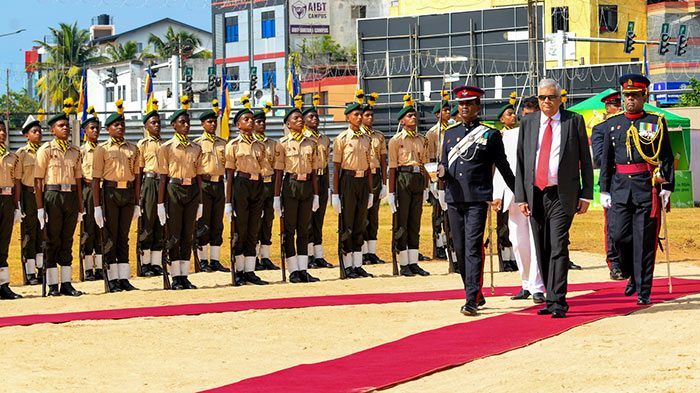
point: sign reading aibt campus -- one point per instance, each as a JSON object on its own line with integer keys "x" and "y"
{"x": 309, "y": 17}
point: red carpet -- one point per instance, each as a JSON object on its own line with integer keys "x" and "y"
{"x": 264, "y": 304}
{"x": 439, "y": 349}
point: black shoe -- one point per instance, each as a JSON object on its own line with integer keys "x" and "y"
{"x": 177, "y": 283}
{"x": 440, "y": 253}
{"x": 415, "y": 269}
{"x": 643, "y": 300}
{"x": 114, "y": 286}
{"x": 89, "y": 275}
{"x": 630, "y": 289}
{"x": 312, "y": 263}
{"x": 422, "y": 257}
{"x": 573, "y": 266}
{"x": 6, "y": 292}
{"x": 156, "y": 270}
{"x": 306, "y": 277}
{"x": 268, "y": 264}
{"x": 253, "y": 279}
{"x": 204, "y": 266}
{"x": 33, "y": 280}
{"x": 469, "y": 308}
{"x": 68, "y": 290}
{"x": 53, "y": 290}
{"x": 146, "y": 271}
{"x": 523, "y": 294}
{"x": 538, "y": 297}
{"x": 216, "y": 266}
{"x": 295, "y": 277}
{"x": 376, "y": 259}
{"x": 616, "y": 274}
{"x": 544, "y": 311}
{"x": 40, "y": 275}
{"x": 125, "y": 285}
{"x": 258, "y": 265}
{"x": 366, "y": 260}
{"x": 482, "y": 300}
{"x": 558, "y": 314}
{"x": 406, "y": 271}
{"x": 239, "y": 279}
{"x": 321, "y": 262}
{"x": 510, "y": 266}
{"x": 186, "y": 283}
{"x": 350, "y": 272}
{"x": 455, "y": 267}
{"x": 98, "y": 274}
{"x": 362, "y": 272}
{"x": 514, "y": 265}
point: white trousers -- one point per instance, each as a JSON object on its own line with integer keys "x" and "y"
{"x": 524, "y": 249}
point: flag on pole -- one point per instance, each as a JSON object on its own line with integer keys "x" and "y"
{"x": 293, "y": 87}
{"x": 225, "y": 105}
{"x": 148, "y": 89}
{"x": 645, "y": 69}
{"x": 83, "y": 101}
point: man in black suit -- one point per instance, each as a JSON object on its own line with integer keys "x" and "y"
{"x": 554, "y": 180}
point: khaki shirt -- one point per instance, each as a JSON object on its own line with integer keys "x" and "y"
{"x": 179, "y": 161}
{"x": 115, "y": 162}
{"x": 378, "y": 148}
{"x": 296, "y": 157}
{"x": 351, "y": 152}
{"x": 407, "y": 151}
{"x": 87, "y": 154}
{"x": 213, "y": 155}
{"x": 8, "y": 165}
{"x": 268, "y": 164}
{"x": 148, "y": 154}
{"x": 244, "y": 157}
{"x": 323, "y": 149}
{"x": 57, "y": 167}
{"x": 432, "y": 136}
{"x": 25, "y": 165}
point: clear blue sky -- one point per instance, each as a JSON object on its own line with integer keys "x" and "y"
{"x": 37, "y": 15}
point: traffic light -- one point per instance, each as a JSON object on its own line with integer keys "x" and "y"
{"x": 663, "y": 41}
{"x": 253, "y": 83}
{"x": 629, "y": 38}
{"x": 154, "y": 71}
{"x": 188, "y": 84}
{"x": 212, "y": 83}
{"x": 113, "y": 75}
{"x": 682, "y": 40}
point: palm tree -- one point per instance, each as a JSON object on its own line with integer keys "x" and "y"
{"x": 126, "y": 51}
{"x": 181, "y": 43}
{"x": 62, "y": 69}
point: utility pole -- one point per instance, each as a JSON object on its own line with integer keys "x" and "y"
{"x": 532, "y": 44}
{"x": 7, "y": 85}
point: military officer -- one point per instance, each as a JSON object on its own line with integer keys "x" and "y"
{"x": 213, "y": 169}
{"x": 296, "y": 193}
{"x": 244, "y": 186}
{"x": 636, "y": 181}
{"x": 92, "y": 247}
{"x": 441, "y": 110}
{"x": 9, "y": 210}
{"x": 506, "y": 115}
{"x": 323, "y": 143}
{"x": 115, "y": 164}
{"x": 268, "y": 192}
{"x": 26, "y": 156}
{"x": 408, "y": 186}
{"x": 469, "y": 152}
{"x": 179, "y": 167}
{"x": 151, "y": 229}
{"x": 58, "y": 189}
{"x": 613, "y": 105}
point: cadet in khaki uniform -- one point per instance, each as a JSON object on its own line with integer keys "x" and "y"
{"x": 9, "y": 210}
{"x": 24, "y": 172}
{"x": 296, "y": 191}
{"x": 57, "y": 185}
{"x": 268, "y": 176}
{"x": 352, "y": 181}
{"x": 151, "y": 229}
{"x": 213, "y": 199}
{"x": 377, "y": 165}
{"x": 323, "y": 143}
{"x": 441, "y": 110}
{"x": 115, "y": 163}
{"x": 408, "y": 186}
{"x": 179, "y": 162}
{"x": 93, "y": 242}
{"x": 244, "y": 186}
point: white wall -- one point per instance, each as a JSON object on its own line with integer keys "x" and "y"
{"x": 159, "y": 29}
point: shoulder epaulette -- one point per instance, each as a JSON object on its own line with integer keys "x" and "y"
{"x": 615, "y": 114}
{"x": 489, "y": 126}
{"x": 453, "y": 125}
{"x": 659, "y": 114}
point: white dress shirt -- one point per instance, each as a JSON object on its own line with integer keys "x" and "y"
{"x": 500, "y": 189}
{"x": 553, "y": 172}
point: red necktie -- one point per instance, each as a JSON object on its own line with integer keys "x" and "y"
{"x": 542, "y": 171}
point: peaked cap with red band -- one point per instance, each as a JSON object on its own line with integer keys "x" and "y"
{"x": 612, "y": 98}
{"x": 634, "y": 82}
{"x": 466, "y": 93}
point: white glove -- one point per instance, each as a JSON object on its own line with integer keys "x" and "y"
{"x": 137, "y": 212}
{"x": 200, "y": 210}
{"x": 392, "y": 202}
{"x": 99, "y": 218}
{"x": 382, "y": 193}
{"x": 80, "y": 216}
{"x": 370, "y": 201}
{"x": 665, "y": 197}
{"x": 441, "y": 198}
{"x": 277, "y": 206}
{"x": 315, "y": 204}
{"x": 228, "y": 211}
{"x": 18, "y": 217}
{"x": 41, "y": 216}
{"x": 605, "y": 200}
{"x": 336, "y": 203}
{"x": 161, "y": 213}
{"x": 434, "y": 189}
{"x": 425, "y": 195}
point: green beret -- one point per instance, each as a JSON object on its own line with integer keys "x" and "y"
{"x": 57, "y": 117}
{"x": 177, "y": 114}
{"x": 241, "y": 113}
{"x": 308, "y": 110}
{"x": 353, "y": 106}
{"x": 210, "y": 114}
{"x": 112, "y": 118}
{"x": 438, "y": 106}
{"x": 89, "y": 120}
{"x": 406, "y": 110}
{"x": 367, "y": 107}
{"x": 289, "y": 113}
{"x": 28, "y": 126}
{"x": 454, "y": 111}
{"x": 149, "y": 115}
{"x": 259, "y": 115}
{"x": 503, "y": 110}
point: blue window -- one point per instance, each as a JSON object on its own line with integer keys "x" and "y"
{"x": 269, "y": 74}
{"x": 232, "y": 29}
{"x": 233, "y": 74}
{"x": 268, "y": 24}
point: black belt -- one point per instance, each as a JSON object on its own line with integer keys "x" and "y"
{"x": 298, "y": 176}
{"x": 184, "y": 181}
{"x": 122, "y": 185}
{"x": 61, "y": 187}
{"x": 152, "y": 175}
{"x": 249, "y": 176}
{"x": 212, "y": 178}
{"x": 411, "y": 169}
{"x": 358, "y": 174}
{"x": 87, "y": 182}
{"x": 550, "y": 188}
{"x": 27, "y": 188}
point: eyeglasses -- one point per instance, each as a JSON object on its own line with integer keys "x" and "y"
{"x": 551, "y": 97}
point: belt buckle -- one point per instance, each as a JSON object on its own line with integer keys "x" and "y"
{"x": 267, "y": 179}
{"x": 415, "y": 169}
{"x": 254, "y": 176}
{"x": 214, "y": 178}
{"x": 122, "y": 184}
{"x": 359, "y": 173}
{"x": 66, "y": 187}
{"x": 6, "y": 190}
{"x": 187, "y": 182}
{"x": 301, "y": 176}
{"x": 319, "y": 172}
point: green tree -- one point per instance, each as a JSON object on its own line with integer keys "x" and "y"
{"x": 126, "y": 51}
{"x": 181, "y": 43}
{"x": 19, "y": 105}
{"x": 66, "y": 58}
{"x": 692, "y": 98}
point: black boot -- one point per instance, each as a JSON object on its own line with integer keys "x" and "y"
{"x": 406, "y": 271}
{"x": 362, "y": 272}
{"x": 440, "y": 253}
{"x": 239, "y": 279}
{"x": 415, "y": 269}
{"x": 89, "y": 275}
{"x": 321, "y": 262}
{"x": 422, "y": 257}
{"x": 252, "y": 278}
{"x": 125, "y": 285}
{"x": 99, "y": 275}
{"x": 147, "y": 270}
{"x": 40, "y": 275}
{"x": 258, "y": 265}
{"x": 53, "y": 290}
{"x": 157, "y": 270}
{"x": 68, "y": 290}
{"x": 204, "y": 266}
{"x": 268, "y": 264}
{"x": 295, "y": 277}
{"x": 377, "y": 260}
{"x": 306, "y": 277}
{"x": 6, "y": 292}
{"x": 366, "y": 260}
{"x": 186, "y": 283}
{"x": 32, "y": 279}
{"x": 114, "y": 286}
{"x": 177, "y": 283}
{"x": 218, "y": 267}
{"x": 312, "y": 263}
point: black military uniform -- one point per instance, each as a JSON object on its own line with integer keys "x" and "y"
{"x": 637, "y": 172}
{"x": 469, "y": 152}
